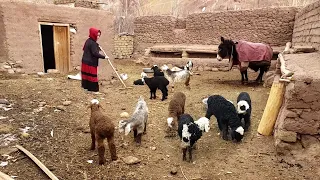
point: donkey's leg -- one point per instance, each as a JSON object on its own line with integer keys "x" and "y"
{"x": 242, "y": 77}
{"x": 261, "y": 72}
{"x": 246, "y": 75}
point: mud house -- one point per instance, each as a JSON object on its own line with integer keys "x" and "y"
{"x": 47, "y": 36}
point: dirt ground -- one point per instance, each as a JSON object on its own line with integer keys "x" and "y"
{"x": 67, "y": 152}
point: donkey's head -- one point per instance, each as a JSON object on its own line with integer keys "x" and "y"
{"x": 226, "y": 49}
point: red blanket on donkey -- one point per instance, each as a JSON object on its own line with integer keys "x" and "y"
{"x": 248, "y": 51}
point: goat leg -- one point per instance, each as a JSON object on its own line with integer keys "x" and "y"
{"x": 150, "y": 94}
{"x": 225, "y": 132}
{"x": 190, "y": 153}
{"x": 135, "y": 132}
{"x": 112, "y": 148}
{"x": 138, "y": 139}
{"x": 93, "y": 140}
{"x": 101, "y": 150}
{"x": 145, "y": 128}
{"x": 184, "y": 156}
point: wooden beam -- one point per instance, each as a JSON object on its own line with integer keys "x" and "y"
{"x": 4, "y": 176}
{"x": 272, "y": 109}
{"x": 35, "y": 160}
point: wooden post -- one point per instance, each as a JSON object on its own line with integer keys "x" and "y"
{"x": 272, "y": 109}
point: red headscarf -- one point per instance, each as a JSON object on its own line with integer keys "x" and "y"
{"x": 93, "y": 34}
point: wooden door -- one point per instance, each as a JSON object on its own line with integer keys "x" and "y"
{"x": 61, "y": 48}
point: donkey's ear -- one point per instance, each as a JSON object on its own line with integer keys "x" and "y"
{"x": 222, "y": 39}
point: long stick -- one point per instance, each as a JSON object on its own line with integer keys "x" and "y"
{"x": 183, "y": 173}
{"x": 35, "y": 160}
{"x": 113, "y": 68}
{"x": 4, "y": 176}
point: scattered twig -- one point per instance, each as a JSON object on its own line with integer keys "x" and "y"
{"x": 183, "y": 173}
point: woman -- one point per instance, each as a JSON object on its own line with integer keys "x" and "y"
{"x": 90, "y": 61}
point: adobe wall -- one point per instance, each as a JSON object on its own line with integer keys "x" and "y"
{"x": 298, "y": 122}
{"x": 307, "y": 26}
{"x": 269, "y": 25}
{"x": 22, "y": 31}
{"x": 3, "y": 49}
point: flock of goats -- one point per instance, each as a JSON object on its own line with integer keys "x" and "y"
{"x": 237, "y": 119}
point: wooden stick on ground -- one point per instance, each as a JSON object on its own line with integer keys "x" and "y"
{"x": 113, "y": 68}
{"x": 4, "y": 176}
{"x": 35, "y": 160}
{"x": 183, "y": 173}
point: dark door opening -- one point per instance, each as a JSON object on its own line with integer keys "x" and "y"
{"x": 47, "y": 47}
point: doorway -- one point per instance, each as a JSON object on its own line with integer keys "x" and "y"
{"x": 55, "y": 43}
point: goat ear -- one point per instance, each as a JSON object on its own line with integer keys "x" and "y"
{"x": 222, "y": 39}
{"x": 127, "y": 129}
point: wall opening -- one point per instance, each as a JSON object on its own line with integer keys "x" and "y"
{"x": 47, "y": 47}
{"x": 55, "y": 42}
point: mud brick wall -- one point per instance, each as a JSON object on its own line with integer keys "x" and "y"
{"x": 92, "y": 4}
{"x": 307, "y": 26}
{"x": 299, "y": 116}
{"x": 269, "y": 25}
{"x": 123, "y": 46}
{"x": 64, "y": 1}
{"x": 20, "y": 31}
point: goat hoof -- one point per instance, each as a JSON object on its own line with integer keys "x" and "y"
{"x": 101, "y": 162}
{"x": 114, "y": 158}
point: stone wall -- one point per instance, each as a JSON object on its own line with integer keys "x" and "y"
{"x": 269, "y": 25}
{"x": 123, "y": 46}
{"x": 299, "y": 116}
{"x": 21, "y": 31}
{"x": 307, "y": 26}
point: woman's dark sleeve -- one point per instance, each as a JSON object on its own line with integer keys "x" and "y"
{"x": 95, "y": 51}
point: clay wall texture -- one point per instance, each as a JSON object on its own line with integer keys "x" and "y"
{"x": 21, "y": 31}
{"x": 307, "y": 26}
{"x": 269, "y": 25}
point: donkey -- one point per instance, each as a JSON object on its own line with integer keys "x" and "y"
{"x": 256, "y": 56}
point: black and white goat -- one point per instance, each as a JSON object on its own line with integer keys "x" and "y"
{"x": 176, "y": 76}
{"x": 137, "y": 122}
{"x": 156, "y": 71}
{"x": 244, "y": 109}
{"x": 140, "y": 81}
{"x": 154, "y": 83}
{"x": 190, "y": 132}
{"x": 226, "y": 115}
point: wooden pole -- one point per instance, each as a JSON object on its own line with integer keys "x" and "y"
{"x": 114, "y": 68}
{"x": 35, "y": 160}
{"x": 272, "y": 109}
{"x": 4, "y": 176}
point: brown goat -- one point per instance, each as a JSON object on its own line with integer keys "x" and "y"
{"x": 101, "y": 127}
{"x": 176, "y": 109}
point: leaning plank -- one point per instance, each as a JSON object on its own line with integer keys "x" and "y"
{"x": 35, "y": 160}
{"x": 272, "y": 109}
{"x": 4, "y": 176}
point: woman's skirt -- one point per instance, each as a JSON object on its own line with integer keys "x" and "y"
{"x": 89, "y": 77}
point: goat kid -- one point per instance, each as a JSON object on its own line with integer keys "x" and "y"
{"x": 101, "y": 127}
{"x": 137, "y": 122}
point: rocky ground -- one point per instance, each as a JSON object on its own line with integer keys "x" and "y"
{"x": 55, "y": 110}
